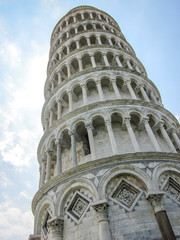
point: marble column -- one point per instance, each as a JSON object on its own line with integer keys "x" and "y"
{"x": 153, "y": 97}
{"x": 99, "y": 88}
{"x": 166, "y": 137}
{"x": 131, "y": 91}
{"x": 151, "y": 135}
{"x": 80, "y": 64}
{"x": 77, "y": 44}
{"x": 116, "y": 90}
{"x": 88, "y": 41}
{"x": 84, "y": 93}
{"x": 129, "y": 65}
{"x": 58, "y": 157}
{"x": 131, "y": 135}
{"x": 91, "y": 140}
{"x": 58, "y": 108}
{"x": 93, "y": 61}
{"x": 55, "y": 225}
{"x": 111, "y": 136}
{"x": 110, "y": 42}
{"x": 99, "y": 40}
{"x": 101, "y": 207}
{"x": 73, "y": 148}
{"x": 176, "y": 139}
{"x": 74, "y": 18}
{"x": 68, "y": 70}
{"x": 118, "y": 61}
{"x": 70, "y": 100}
{"x": 59, "y": 78}
{"x": 165, "y": 227}
{"x": 106, "y": 60}
{"x": 51, "y": 117}
{"x": 42, "y": 173}
{"x": 48, "y": 165}
{"x": 145, "y": 96}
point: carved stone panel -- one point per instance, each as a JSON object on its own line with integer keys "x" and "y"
{"x": 126, "y": 194}
{"x": 172, "y": 189}
{"x": 78, "y": 207}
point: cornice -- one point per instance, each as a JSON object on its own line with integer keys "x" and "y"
{"x": 86, "y": 167}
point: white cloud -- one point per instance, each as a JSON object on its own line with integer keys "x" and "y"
{"x": 14, "y": 222}
{"x": 10, "y": 53}
{"x": 4, "y": 180}
{"x": 55, "y": 8}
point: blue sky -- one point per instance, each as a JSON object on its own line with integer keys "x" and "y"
{"x": 150, "y": 26}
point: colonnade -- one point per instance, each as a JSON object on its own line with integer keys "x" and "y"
{"x": 46, "y": 165}
{"x": 81, "y": 17}
{"x": 55, "y": 111}
{"x": 87, "y": 41}
{"x": 91, "y": 60}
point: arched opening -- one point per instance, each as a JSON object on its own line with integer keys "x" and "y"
{"x": 72, "y": 47}
{"x": 102, "y": 17}
{"x": 77, "y": 96}
{"x": 104, "y": 40}
{"x": 111, "y": 59}
{"x": 86, "y": 61}
{"x": 64, "y": 72}
{"x": 107, "y": 88}
{"x": 74, "y": 66}
{"x": 94, "y": 15}
{"x": 78, "y": 17}
{"x": 64, "y": 104}
{"x": 83, "y": 42}
{"x": 121, "y": 136}
{"x": 66, "y": 154}
{"x": 82, "y": 145}
{"x": 92, "y": 91}
{"x": 101, "y": 137}
{"x": 89, "y": 26}
{"x": 99, "y": 59}
{"x": 98, "y": 26}
{"x": 64, "y": 36}
{"x": 93, "y": 40}
{"x": 64, "y": 24}
{"x": 80, "y": 28}
{"x": 72, "y": 32}
{"x": 86, "y": 15}
{"x": 70, "y": 20}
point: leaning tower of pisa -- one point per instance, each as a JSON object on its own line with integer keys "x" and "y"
{"x": 109, "y": 156}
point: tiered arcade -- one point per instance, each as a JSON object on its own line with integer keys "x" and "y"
{"x": 110, "y": 149}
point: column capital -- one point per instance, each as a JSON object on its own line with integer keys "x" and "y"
{"x": 98, "y": 82}
{"x": 58, "y": 142}
{"x": 83, "y": 85}
{"x": 34, "y": 237}
{"x": 113, "y": 80}
{"x": 145, "y": 120}
{"x": 49, "y": 152}
{"x": 71, "y": 132}
{"x": 141, "y": 85}
{"x": 108, "y": 122}
{"x": 56, "y": 226}
{"x": 101, "y": 207}
{"x": 127, "y": 81}
{"x": 58, "y": 100}
{"x": 88, "y": 126}
{"x": 127, "y": 120}
{"x": 171, "y": 130}
{"x": 155, "y": 200}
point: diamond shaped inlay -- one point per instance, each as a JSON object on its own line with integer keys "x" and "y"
{"x": 126, "y": 194}
{"x": 172, "y": 188}
{"x": 78, "y": 206}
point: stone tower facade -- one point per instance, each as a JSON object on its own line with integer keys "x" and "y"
{"x": 109, "y": 156}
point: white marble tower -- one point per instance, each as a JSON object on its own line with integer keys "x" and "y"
{"x": 109, "y": 157}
